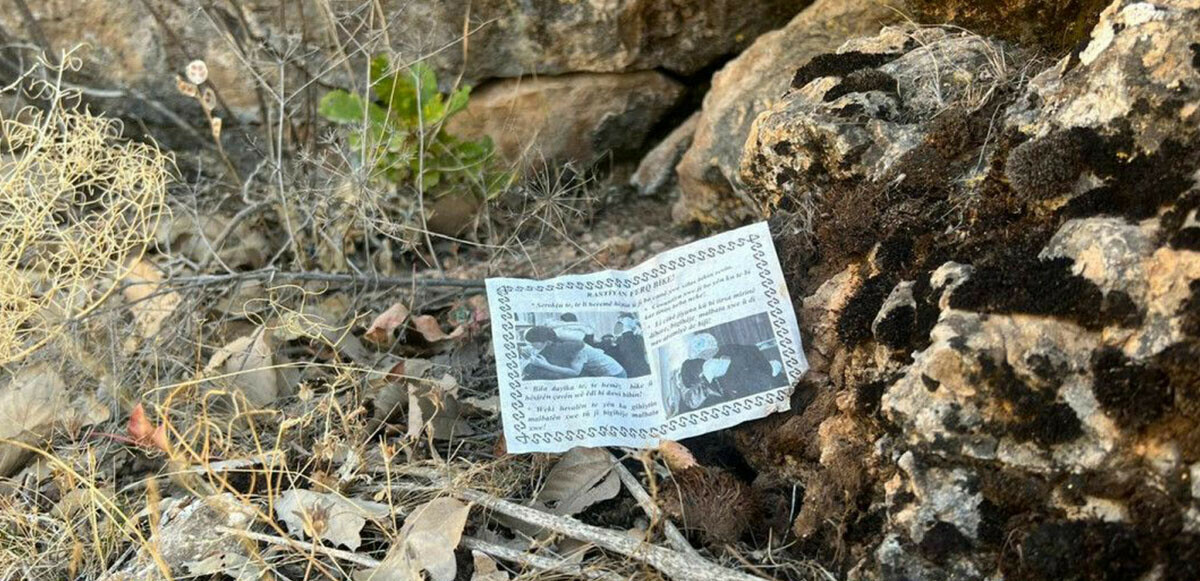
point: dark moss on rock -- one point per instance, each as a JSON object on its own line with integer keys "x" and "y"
{"x": 1181, "y": 224}
{"x": 1037, "y": 287}
{"x": 1048, "y": 167}
{"x": 1183, "y": 555}
{"x": 1137, "y": 186}
{"x": 1036, "y": 414}
{"x": 1079, "y": 550}
{"x": 895, "y": 329}
{"x": 1182, "y": 422}
{"x": 1133, "y": 394}
{"x": 1190, "y": 310}
{"x": 1055, "y": 25}
{"x": 868, "y": 396}
{"x": 838, "y": 65}
{"x": 862, "y": 81}
{"x": 942, "y": 541}
{"x": 854, "y": 325}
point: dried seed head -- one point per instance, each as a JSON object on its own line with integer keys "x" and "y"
{"x": 216, "y": 127}
{"x": 186, "y": 88}
{"x": 676, "y": 455}
{"x": 197, "y": 72}
{"x": 209, "y": 99}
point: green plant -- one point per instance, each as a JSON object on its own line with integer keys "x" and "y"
{"x": 401, "y": 134}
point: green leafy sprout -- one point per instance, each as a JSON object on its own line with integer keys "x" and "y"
{"x": 401, "y": 133}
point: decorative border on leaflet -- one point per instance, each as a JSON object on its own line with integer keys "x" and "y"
{"x": 775, "y": 310}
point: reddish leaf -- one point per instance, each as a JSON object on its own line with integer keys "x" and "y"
{"x": 144, "y": 433}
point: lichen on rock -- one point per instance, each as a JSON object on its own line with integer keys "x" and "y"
{"x": 1001, "y": 268}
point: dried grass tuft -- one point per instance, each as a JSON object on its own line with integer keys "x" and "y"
{"x": 78, "y": 206}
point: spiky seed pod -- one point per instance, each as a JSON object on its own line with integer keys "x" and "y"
{"x": 712, "y": 501}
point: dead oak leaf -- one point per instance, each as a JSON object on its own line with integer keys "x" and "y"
{"x": 581, "y": 478}
{"x": 431, "y": 330}
{"x": 380, "y": 331}
{"x": 248, "y": 364}
{"x": 148, "y": 302}
{"x": 426, "y": 543}
{"x": 326, "y": 516}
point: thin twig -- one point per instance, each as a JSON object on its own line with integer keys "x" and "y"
{"x": 286, "y": 542}
{"x": 273, "y": 275}
{"x": 535, "y": 561}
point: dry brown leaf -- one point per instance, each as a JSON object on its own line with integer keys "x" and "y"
{"x": 144, "y": 433}
{"x": 581, "y": 478}
{"x": 486, "y": 569}
{"x": 32, "y": 402}
{"x": 248, "y": 365}
{"x": 427, "y": 542}
{"x": 434, "y": 407}
{"x": 480, "y": 304}
{"x": 147, "y": 300}
{"x": 381, "y": 328}
{"x": 326, "y": 516}
{"x": 428, "y": 327}
{"x": 390, "y": 381}
{"x": 193, "y": 236}
{"x": 676, "y": 455}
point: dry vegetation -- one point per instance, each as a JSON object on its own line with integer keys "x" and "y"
{"x": 217, "y": 362}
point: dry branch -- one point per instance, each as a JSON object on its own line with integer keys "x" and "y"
{"x": 651, "y": 509}
{"x": 674, "y": 564}
{"x": 273, "y": 275}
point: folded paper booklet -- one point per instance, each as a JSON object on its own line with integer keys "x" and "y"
{"x": 698, "y": 338}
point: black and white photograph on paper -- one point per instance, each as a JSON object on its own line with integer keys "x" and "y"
{"x": 720, "y": 364}
{"x": 698, "y": 338}
{"x": 567, "y": 345}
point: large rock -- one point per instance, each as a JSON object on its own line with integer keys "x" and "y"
{"x": 125, "y": 46}
{"x": 512, "y": 39}
{"x": 750, "y": 84}
{"x": 570, "y": 117}
{"x": 1003, "y": 310}
{"x": 141, "y": 46}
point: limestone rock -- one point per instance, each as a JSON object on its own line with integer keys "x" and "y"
{"x": 854, "y": 116}
{"x": 656, "y": 172}
{"x": 1053, "y": 24}
{"x": 123, "y": 45}
{"x": 1003, "y": 301}
{"x": 568, "y": 118}
{"x": 141, "y": 46}
{"x": 749, "y": 84}
{"x": 521, "y": 38}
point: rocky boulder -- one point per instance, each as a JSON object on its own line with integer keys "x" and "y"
{"x": 134, "y": 50}
{"x": 570, "y": 117}
{"x": 1002, "y": 281}
{"x": 512, "y": 39}
{"x": 751, "y": 83}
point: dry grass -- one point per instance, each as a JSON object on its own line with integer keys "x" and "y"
{"x": 77, "y": 209}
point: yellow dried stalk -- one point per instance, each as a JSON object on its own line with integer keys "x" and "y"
{"x": 78, "y": 207}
